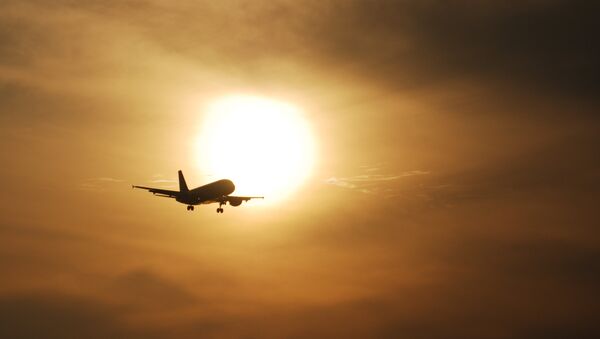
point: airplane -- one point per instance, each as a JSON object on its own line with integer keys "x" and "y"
{"x": 215, "y": 192}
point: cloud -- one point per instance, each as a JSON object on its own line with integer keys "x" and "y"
{"x": 99, "y": 184}
{"x": 541, "y": 46}
{"x": 372, "y": 183}
{"x": 495, "y": 237}
{"x": 162, "y": 181}
{"x": 62, "y": 316}
{"x": 391, "y": 45}
{"x": 145, "y": 289}
{"x": 106, "y": 179}
{"x": 340, "y": 182}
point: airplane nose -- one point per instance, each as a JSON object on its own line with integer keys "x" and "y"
{"x": 228, "y": 185}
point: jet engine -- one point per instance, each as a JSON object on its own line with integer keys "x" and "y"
{"x": 235, "y": 202}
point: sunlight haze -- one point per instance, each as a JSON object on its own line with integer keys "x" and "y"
{"x": 265, "y": 146}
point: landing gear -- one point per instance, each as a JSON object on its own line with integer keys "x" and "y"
{"x": 190, "y": 208}
{"x": 219, "y": 210}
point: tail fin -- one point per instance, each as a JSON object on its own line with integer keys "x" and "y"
{"x": 182, "y": 185}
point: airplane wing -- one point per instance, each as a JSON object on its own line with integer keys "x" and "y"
{"x": 158, "y": 191}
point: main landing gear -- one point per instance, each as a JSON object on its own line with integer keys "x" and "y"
{"x": 220, "y": 209}
{"x": 190, "y": 208}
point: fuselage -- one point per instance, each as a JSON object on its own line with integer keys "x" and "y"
{"x": 206, "y": 194}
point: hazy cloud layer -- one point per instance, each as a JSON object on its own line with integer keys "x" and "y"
{"x": 477, "y": 121}
{"x": 372, "y": 183}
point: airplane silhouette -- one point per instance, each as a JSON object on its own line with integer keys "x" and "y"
{"x": 216, "y": 192}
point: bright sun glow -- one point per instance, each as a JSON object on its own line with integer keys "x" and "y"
{"x": 264, "y": 146}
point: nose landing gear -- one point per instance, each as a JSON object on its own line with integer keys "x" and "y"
{"x": 190, "y": 208}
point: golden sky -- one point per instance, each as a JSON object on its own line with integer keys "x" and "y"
{"x": 454, "y": 190}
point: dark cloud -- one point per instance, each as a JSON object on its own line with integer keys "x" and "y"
{"x": 61, "y": 316}
{"x": 571, "y": 266}
{"x": 145, "y": 289}
{"x": 536, "y": 46}
{"x": 532, "y": 46}
{"x": 563, "y": 167}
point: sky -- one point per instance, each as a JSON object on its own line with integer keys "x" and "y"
{"x": 454, "y": 192}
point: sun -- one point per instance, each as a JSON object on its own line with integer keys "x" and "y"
{"x": 264, "y": 146}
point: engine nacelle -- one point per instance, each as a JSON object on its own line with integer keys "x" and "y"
{"x": 235, "y": 202}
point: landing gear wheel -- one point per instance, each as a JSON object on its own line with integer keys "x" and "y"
{"x": 190, "y": 208}
{"x": 219, "y": 210}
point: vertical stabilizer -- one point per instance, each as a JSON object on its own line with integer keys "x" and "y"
{"x": 182, "y": 185}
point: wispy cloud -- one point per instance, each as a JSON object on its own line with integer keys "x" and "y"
{"x": 159, "y": 180}
{"x": 162, "y": 181}
{"x": 340, "y": 182}
{"x": 106, "y": 179}
{"x": 99, "y": 184}
{"x": 372, "y": 183}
